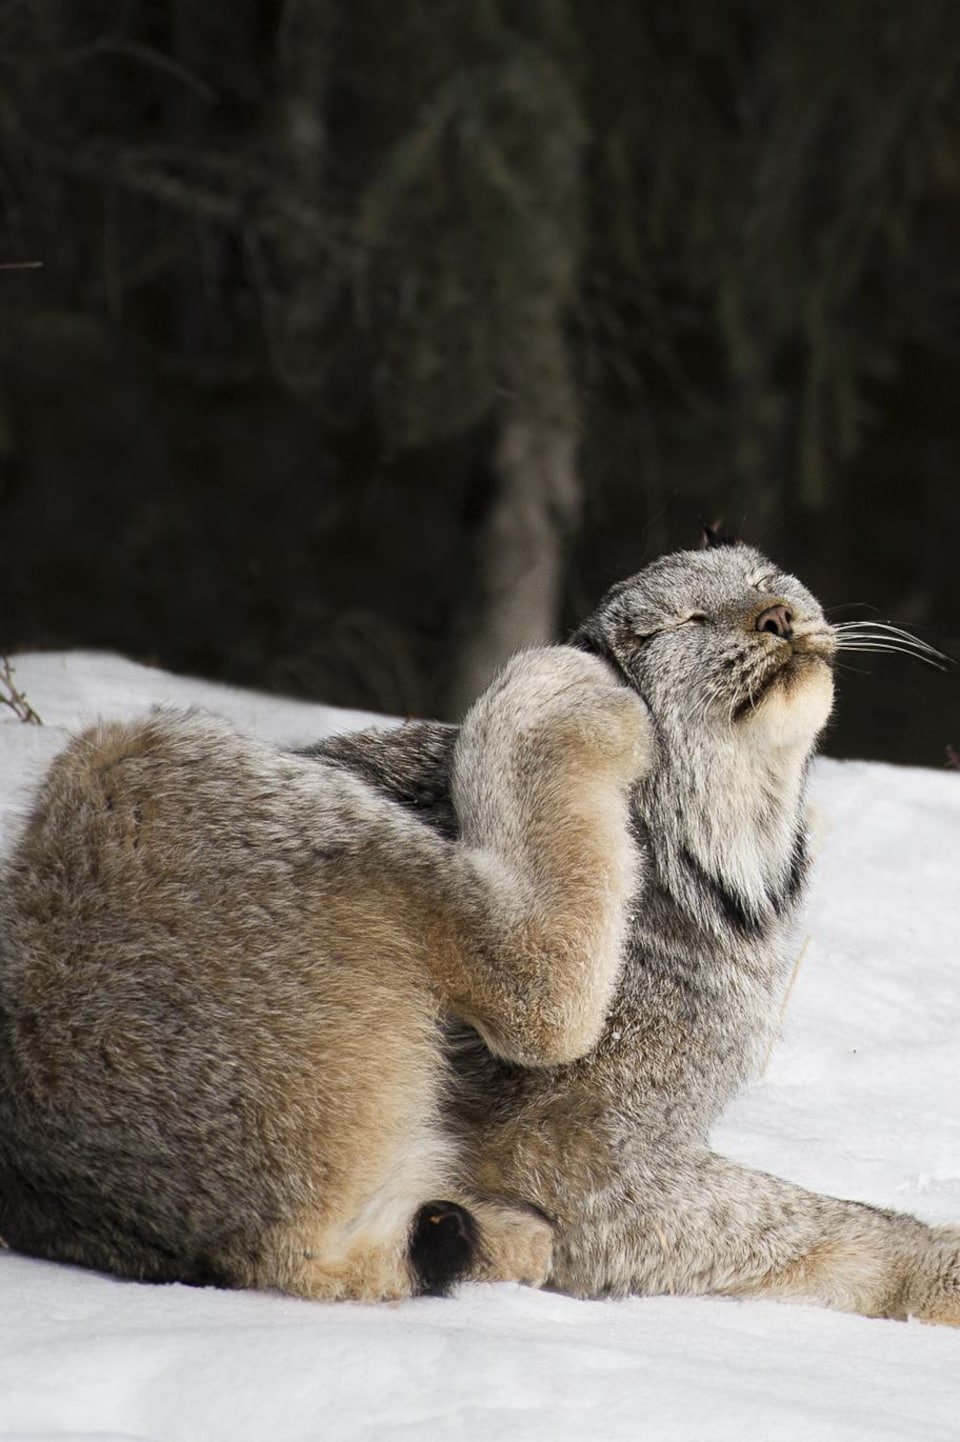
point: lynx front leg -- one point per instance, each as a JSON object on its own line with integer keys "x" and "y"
{"x": 541, "y": 777}
{"x": 713, "y": 1227}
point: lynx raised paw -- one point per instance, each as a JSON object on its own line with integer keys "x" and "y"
{"x": 570, "y": 706}
{"x": 541, "y": 783}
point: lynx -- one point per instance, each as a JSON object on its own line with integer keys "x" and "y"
{"x": 432, "y": 1002}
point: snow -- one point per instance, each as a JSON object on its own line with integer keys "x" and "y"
{"x": 861, "y": 1098}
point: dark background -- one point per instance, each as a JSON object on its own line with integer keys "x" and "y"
{"x": 374, "y": 340}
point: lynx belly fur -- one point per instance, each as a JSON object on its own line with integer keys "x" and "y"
{"x": 259, "y": 1011}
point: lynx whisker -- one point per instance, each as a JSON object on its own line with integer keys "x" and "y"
{"x": 885, "y": 630}
{"x": 878, "y": 647}
{"x": 883, "y": 636}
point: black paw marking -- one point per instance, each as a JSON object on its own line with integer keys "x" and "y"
{"x": 444, "y": 1240}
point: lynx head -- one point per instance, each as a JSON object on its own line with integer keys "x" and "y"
{"x": 720, "y": 643}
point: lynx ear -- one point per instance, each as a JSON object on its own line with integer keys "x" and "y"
{"x": 710, "y": 537}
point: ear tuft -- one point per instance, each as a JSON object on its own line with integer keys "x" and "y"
{"x": 710, "y": 537}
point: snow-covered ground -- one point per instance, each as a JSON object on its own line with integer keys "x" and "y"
{"x": 861, "y": 1098}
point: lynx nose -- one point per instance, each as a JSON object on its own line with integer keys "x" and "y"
{"x": 778, "y": 620}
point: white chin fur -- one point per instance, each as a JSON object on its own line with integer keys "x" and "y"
{"x": 794, "y": 714}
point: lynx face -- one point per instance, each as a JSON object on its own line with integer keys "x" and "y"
{"x": 721, "y": 639}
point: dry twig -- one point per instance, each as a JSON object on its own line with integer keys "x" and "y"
{"x": 12, "y": 696}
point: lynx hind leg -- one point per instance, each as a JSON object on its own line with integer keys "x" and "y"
{"x": 280, "y": 1096}
{"x": 906, "y": 1270}
{"x": 376, "y": 1146}
{"x": 541, "y": 776}
{"x": 722, "y": 1229}
{"x": 369, "y": 1175}
{"x": 849, "y": 1256}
